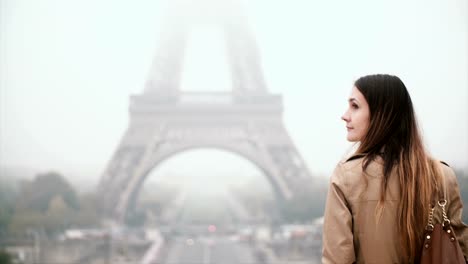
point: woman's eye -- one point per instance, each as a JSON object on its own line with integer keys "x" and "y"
{"x": 354, "y": 106}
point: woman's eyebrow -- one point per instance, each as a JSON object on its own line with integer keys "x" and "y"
{"x": 352, "y": 99}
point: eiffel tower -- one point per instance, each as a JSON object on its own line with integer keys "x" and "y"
{"x": 164, "y": 120}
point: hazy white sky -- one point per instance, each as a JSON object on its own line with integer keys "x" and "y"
{"x": 68, "y": 67}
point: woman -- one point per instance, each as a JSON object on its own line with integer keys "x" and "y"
{"x": 378, "y": 199}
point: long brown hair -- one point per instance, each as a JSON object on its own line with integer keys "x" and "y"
{"x": 394, "y": 135}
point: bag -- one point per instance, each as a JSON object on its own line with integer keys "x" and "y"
{"x": 440, "y": 242}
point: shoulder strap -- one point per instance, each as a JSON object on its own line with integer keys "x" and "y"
{"x": 355, "y": 156}
{"x": 443, "y": 196}
{"x": 443, "y": 200}
{"x": 445, "y": 163}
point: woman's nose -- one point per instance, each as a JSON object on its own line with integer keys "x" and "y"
{"x": 345, "y": 117}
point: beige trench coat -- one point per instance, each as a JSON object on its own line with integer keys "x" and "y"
{"x": 351, "y": 233}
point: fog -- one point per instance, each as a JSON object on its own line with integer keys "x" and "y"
{"x": 67, "y": 69}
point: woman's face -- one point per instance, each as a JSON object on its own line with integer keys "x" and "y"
{"x": 356, "y": 116}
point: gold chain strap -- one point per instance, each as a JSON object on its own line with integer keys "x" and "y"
{"x": 430, "y": 223}
{"x": 442, "y": 204}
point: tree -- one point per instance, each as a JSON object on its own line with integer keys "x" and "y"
{"x": 7, "y": 203}
{"x": 5, "y": 258}
{"x": 36, "y": 195}
{"x": 47, "y": 203}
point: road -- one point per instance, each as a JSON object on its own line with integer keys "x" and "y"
{"x": 209, "y": 250}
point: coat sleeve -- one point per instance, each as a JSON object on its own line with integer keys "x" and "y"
{"x": 455, "y": 209}
{"x": 338, "y": 244}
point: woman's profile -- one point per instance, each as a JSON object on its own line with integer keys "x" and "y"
{"x": 379, "y": 198}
